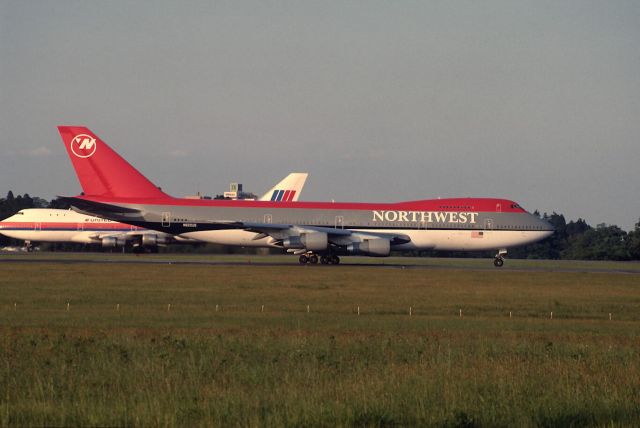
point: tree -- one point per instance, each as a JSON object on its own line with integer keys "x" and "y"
{"x": 60, "y": 204}
{"x": 12, "y": 204}
{"x": 633, "y": 243}
{"x": 576, "y": 228}
{"x": 602, "y": 243}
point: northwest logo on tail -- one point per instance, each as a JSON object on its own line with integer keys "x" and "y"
{"x": 83, "y": 145}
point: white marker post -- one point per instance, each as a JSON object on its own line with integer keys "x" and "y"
{"x": 551, "y": 316}
{"x": 67, "y": 306}
{"x": 262, "y": 308}
{"x": 307, "y": 308}
{"x": 410, "y": 311}
{"x": 358, "y": 310}
{"x": 460, "y": 313}
{"x": 169, "y": 307}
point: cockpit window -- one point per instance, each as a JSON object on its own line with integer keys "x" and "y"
{"x": 516, "y": 206}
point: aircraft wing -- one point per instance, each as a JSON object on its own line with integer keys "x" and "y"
{"x": 122, "y": 214}
{"x": 284, "y": 233}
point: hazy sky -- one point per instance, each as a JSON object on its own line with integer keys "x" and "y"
{"x": 536, "y": 101}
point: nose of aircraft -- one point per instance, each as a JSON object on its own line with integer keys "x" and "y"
{"x": 544, "y": 225}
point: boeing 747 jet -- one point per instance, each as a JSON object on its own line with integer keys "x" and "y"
{"x": 316, "y": 231}
{"x": 34, "y": 225}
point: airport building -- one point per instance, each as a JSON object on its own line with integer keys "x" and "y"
{"x": 235, "y": 192}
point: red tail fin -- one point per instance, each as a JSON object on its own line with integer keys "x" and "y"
{"x": 101, "y": 171}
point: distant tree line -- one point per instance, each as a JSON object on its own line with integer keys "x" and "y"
{"x": 575, "y": 240}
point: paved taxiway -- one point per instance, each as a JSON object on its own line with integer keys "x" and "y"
{"x": 238, "y": 261}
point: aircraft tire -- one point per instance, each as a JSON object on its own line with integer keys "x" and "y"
{"x": 335, "y": 260}
{"x": 498, "y": 262}
{"x": 303, "y": 259}
{"x": 324, "y": 260}
{"x": 313, "y": 259}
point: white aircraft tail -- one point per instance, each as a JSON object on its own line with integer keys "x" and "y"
{"x": 288, "y": 190}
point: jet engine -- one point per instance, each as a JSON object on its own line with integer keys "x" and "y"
{"x": 312, "y": 241}
{"x": 149, "y": 240}
{"x": 112, "y": 242}
{"x": 379, "y": 247}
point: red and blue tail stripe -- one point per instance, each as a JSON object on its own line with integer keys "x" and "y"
{"x": 283, "y": 195}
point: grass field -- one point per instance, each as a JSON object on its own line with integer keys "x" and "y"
{"x": 104, "y": 344}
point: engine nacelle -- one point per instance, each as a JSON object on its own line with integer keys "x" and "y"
{"x": 292, "y": 242}
{"x": 312, "y": 241}
{"x": 112, "y": 242}
{"x": 149, "y": 240}
{"x": 371, "y": 247}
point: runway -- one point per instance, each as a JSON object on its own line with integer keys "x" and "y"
{"x": 630, "y": 268}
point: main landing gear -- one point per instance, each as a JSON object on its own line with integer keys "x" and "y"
{"x": 28, "y": 246}
{"x": 498, "y": 261}
{"x": 308, "y": 258}
{"x": 312, "y": 258}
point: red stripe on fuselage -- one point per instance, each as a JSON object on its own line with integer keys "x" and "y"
{"x": 86, "y": 227}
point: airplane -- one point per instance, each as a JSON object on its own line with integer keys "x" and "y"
{"x": 57, "y": 225}
{"x": 316, "y": 231}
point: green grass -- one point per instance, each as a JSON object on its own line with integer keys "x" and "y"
{"x": 120, "y": 356}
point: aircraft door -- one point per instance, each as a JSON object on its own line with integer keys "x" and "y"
{"x": 37, "y": 226}
{"x": 488, "y": 224}
{"x": 339, "y": 224}
{"x": 166, "y": 219}
{"x": 268, "y": 218}
{"x": 80, "y": 227}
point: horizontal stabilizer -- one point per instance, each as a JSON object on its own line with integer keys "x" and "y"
{"x": 99, "y": 209}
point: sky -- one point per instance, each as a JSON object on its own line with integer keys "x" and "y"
{"x": 380, "y": 101}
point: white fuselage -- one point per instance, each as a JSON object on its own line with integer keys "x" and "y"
{"x": 56, "y": 225}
